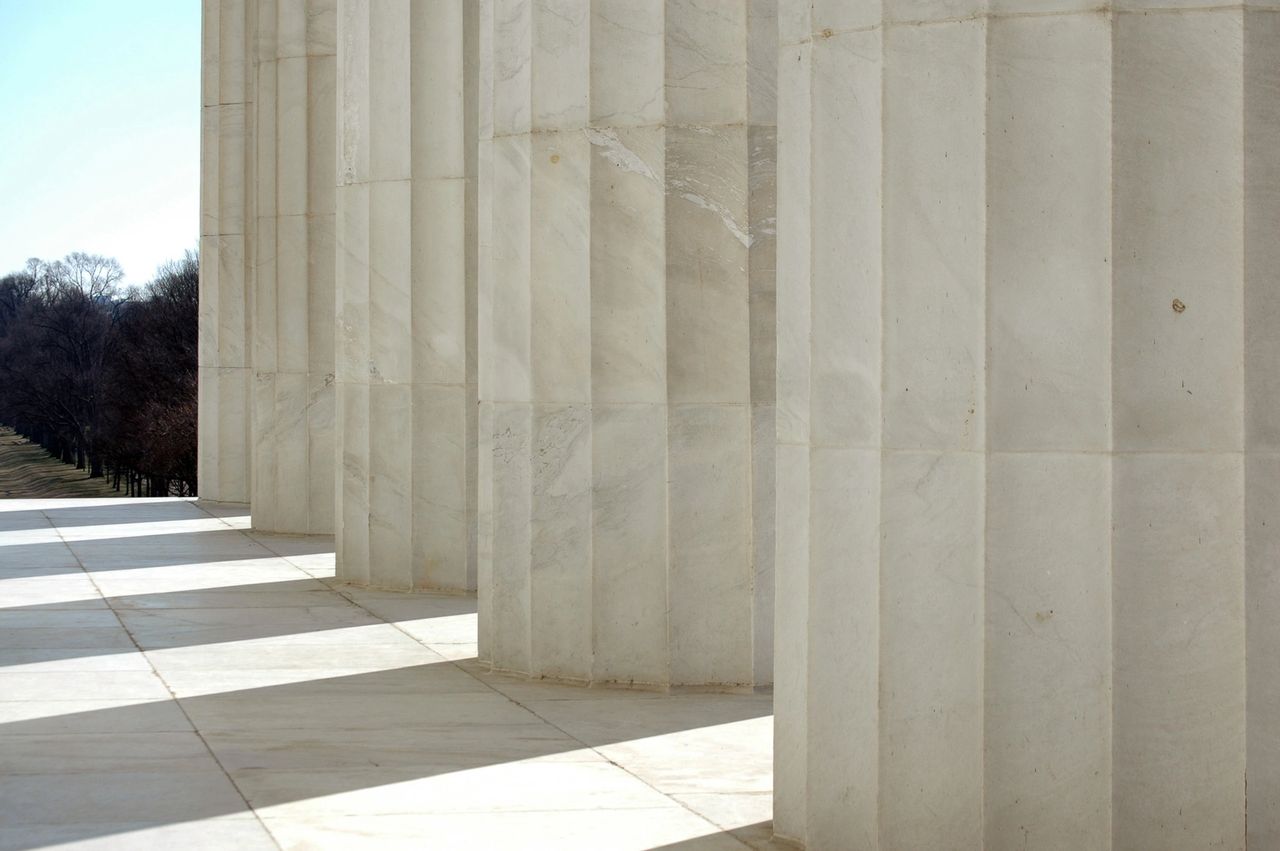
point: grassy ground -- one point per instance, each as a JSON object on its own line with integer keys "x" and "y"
{"x": 27, "y": 472}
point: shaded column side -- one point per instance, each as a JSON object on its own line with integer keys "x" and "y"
{"x": 1262, "y": 420}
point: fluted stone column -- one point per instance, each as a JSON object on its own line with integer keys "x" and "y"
{"x": 1261, "y": 354}
{"x": 406, "y": 293}
{"x": 626, "y": 216}
{"x": 1028, "y": 425}
{"x": 226, "y": 216}
{"x": 293, "y": 351}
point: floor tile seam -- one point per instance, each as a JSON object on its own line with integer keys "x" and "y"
{"x": 250, "y": 535}
{"x": 490, "y": 813}
{"x": 53, "y": 607}
{"x": 87, "y": 734}
{"x": 46, "y": 629}
{"x": 211, "y": 769}
{"x": 112, "y": 733}
{"x": 585, "y": 746}
{"x": 335, "y": 588}
{"x": 67, "y": 671}
{"x": 140, "y": 825}
{"x": 132, "y": 701}
{"x": 760, "y": 792}
{"x": 663, "y": 808}
{"x": 172, "y": 695}
{"x": 195, "y": 503}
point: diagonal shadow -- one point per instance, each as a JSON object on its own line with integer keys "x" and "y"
{"x": 196, "y": 547}
{"x": 59, "y": 631}
{"x": 419, "y": 739}
{"x": 758, "y": 835}
{"x": 111, "y": 512}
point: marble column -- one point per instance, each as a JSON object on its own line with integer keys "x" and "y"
{"x": 293, "y": 321}
{"x": 625, "y": 306}
{"x": 226, "y": 216}
{"x": 1028, "y": 424}
{"x": 1261, "y": 354}
{"x": 406, "y": 293}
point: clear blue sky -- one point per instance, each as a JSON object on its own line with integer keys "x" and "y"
{"x": 100, "y": 124}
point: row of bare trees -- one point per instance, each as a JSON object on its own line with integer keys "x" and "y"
{"x": 101, "y": 377}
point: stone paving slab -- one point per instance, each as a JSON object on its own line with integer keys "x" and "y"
{"x": 171, "y": 679}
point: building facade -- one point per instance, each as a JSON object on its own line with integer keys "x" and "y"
{"x": 916, "y": 357}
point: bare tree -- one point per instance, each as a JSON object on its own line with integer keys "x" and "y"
{"x": 101, "y": 377}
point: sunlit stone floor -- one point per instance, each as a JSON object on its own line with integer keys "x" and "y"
{"x": 170, "y": 680}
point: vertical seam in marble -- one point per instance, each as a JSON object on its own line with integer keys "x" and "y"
{"x": 666, "y": 340}
{"x": 413, "y": 533}
{"x": 985, "y": 410}
{"x": 590, "y": 406}
{"x": 1111, "y": 418}
{"x": 334, "y": 586}
{"x": 366, "y": 278}
{"x": 527, "y": 279}
{"x": 806, "y": 773}
{"x": 1244, "y": 389}
{"x": 308, "y": 158}
{"x": 173, "y": 696}
{"x": 879, "y": 438}
{"x": 750, "y": 453}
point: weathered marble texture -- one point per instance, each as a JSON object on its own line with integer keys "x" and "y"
{"x": 626, "y": 325}
{"x": 293, "y": 284}
{"x": 406, "y": 293}
{"x": 226, "y": 216}
{"x": 1026, "y": 422}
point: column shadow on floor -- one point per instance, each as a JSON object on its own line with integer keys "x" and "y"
{"x": 369, "y": 744}
{"x": 175, "y": 549}
{"x": 296, "y": 734}
{"x": 113, "y": 512}
{"x": 166, "y": 620}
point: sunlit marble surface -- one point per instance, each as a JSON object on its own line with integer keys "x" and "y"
{"x": 170, "y": 679}
{"x": 1027, "y": 424}
{"x": 406, "y": 358}
{"x": 626, "y": 322}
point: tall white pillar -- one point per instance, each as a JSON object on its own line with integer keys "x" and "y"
{"x": 226, "y": 169}
{"x": 626, "y": 221}
{"x": 406, "y": 293}
{"x": 293, "y": 341}
{"x": 1027, "y": 424}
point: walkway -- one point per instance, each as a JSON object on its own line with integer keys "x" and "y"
{"x": 27, "y": 471}
{"x": 170, "y": 680}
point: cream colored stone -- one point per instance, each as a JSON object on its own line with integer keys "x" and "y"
{"x": 293, "y": 481}
{"x": 1262, "y": 421}
{"x": 406, "y": 281}
{"x": 227, "y": 144}
{"x": 315, "y": 720}
{"x": 1179, "y": 706}
{"x": 626, "y": 326}
{"x": 1179, "y": 217}
{"x": 934, "y": 314}
{"x": 1048, "y": 672}
{"x": 993, "y": 205}
{"x": 997, "y": 446}
{"x": 931, "y": 649}
{"x": 1049, "y": 247}
{"x": 845, "y": 348}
